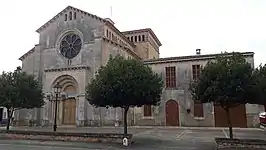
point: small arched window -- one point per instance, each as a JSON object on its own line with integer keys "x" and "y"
{"x": 143, "y": 38}
{"x": 70, "y": 15}
{"x": 65, "y": 17}
{"x": 107, "y": 33}
{"x": 139, "y": 38}
{"x": 75, "y": 15}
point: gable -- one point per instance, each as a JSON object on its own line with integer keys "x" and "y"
{"x": 68, "y": 14}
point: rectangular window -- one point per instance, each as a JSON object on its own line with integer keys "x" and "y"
{"x": 170, "y": 77}
{"x": 198, "y": 109}
{"x": 195, "y": 72}
{"x": 147, "y": 111}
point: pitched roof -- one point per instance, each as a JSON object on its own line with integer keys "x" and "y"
{"x": 63, "y": 11}
{"x": 144, "y": 30}
{"x": 190, "y": 58}
{"x": 86, "y": 13}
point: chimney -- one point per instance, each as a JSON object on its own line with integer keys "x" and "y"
{"x": 198, "y": 51}
{"x": 109, "y": 20}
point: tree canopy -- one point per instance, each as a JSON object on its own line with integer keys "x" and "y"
{"x": 124, "y": 83}
{"x": 19, "y": 90}
{"x": 228, "y": 81}
{"x": 259, "y": 86}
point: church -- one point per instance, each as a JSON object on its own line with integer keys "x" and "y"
{"x": 72, "y": 47}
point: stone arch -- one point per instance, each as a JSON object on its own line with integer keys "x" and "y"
{"x": 66, "y": 81}
{"x": 67, "y": 109}
{"x": 172, "y": 113}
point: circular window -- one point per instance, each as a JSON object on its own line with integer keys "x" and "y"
{"x": 70, "y": 46}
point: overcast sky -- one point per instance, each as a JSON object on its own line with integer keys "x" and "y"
{"x": 181, "y": 25}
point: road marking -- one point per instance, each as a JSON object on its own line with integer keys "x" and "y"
{"x": 181, "y": 134}
{"x": 225, "y": 134}
{"x": 52, "y": 147}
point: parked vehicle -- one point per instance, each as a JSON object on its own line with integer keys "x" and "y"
{"x": 262, "y": 117}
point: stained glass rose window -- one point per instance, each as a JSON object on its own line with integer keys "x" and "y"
{"x": 70, "y": 46}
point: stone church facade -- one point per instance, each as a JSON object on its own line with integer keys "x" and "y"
{"x": 74, "y": 44}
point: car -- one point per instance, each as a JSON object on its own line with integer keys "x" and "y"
{"x": 262, "y": 117}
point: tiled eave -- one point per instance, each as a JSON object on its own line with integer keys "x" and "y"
{"x": 120, "y": 33}
{"x": 26, "y": 54}
{"x": 190, "y": 58}
{"x": 67, "y": 69}
{"x": 149, "y": 30}
{"x": 121, "y": 46}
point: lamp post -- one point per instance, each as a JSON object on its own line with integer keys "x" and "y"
{"x": 55, "y": 98}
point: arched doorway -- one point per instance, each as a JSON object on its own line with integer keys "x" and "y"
{"x": 69, "y": 106}
{"x": 172, "y": 113}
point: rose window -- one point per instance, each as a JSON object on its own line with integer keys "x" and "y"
{"x": 70, "y": 46}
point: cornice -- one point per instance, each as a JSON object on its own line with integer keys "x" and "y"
{"x": 67, "y": 69}
{"x": 149, "y": 30}
{"x": 191, "y": 58}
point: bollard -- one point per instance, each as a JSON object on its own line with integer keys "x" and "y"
{"x": 125, "y": 142}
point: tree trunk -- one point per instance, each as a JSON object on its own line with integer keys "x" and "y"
{"x": 8, "y": 119}
{"x": 125, "y": 120}
{"x": 229, "y": 123}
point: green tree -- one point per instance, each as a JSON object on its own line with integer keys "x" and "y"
{"x": 19, "y": 90}
{"x": 226, "y": 81}
{"x": 259, "y": 85}
{"x": 124, "y": 83}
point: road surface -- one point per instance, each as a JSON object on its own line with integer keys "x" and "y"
{"x": 144, "y": 139}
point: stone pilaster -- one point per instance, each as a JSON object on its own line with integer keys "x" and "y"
{"x": 80, "y": 110}
{"x": 45, "y": 113}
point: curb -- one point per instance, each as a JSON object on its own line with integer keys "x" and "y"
{"x": 184, "y": 128}
{"x": 148, "y": 127}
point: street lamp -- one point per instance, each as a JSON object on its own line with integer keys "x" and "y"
{"x": 55, "y": 98}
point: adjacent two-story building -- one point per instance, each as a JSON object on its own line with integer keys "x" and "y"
{"x": 74, "y": 44}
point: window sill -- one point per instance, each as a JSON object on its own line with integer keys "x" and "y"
{"x": 199, "y": 118}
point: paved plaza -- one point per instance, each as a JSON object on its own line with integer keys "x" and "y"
{"x": 144, "y": 139}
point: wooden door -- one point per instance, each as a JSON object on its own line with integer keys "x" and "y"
{"x": 69, "y": 111}
{"x": 172, "y": 113}
{"x": 237, "y": 115}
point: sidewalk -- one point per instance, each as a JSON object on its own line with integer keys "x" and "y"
{"x": 133, "y": 127}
